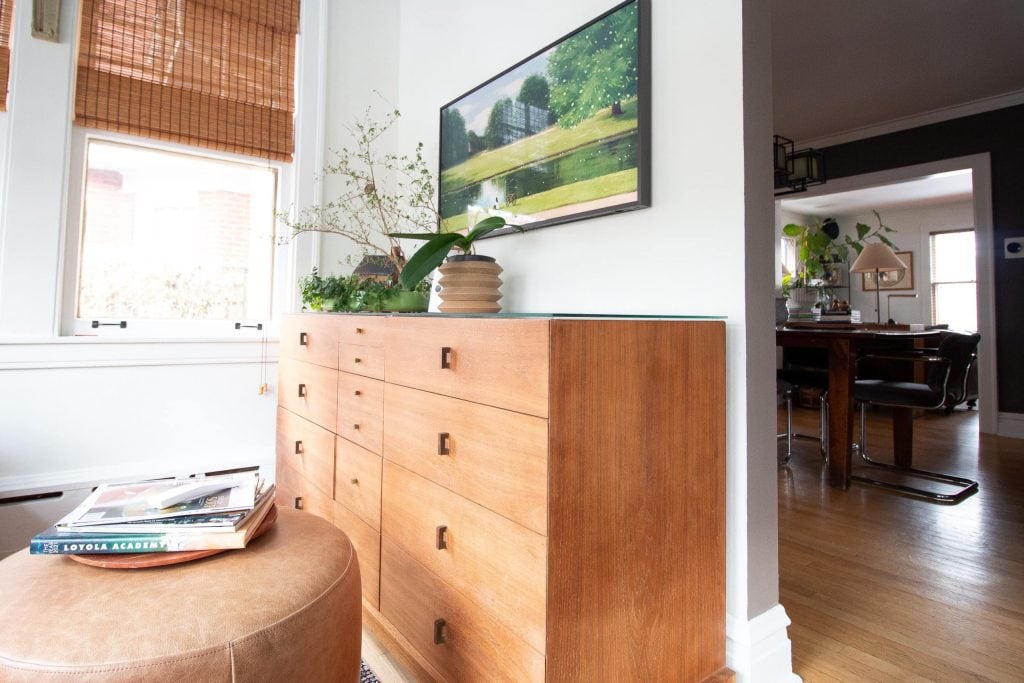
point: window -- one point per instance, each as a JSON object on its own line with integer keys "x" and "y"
{"x": 5, "y": 49}
{"x": 954, "y": 283}
{"x": 788, "y": 255}
{"x": 169, "y": 236}
{"x": 169, "y": 231}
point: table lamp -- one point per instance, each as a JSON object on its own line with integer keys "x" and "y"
{"x": 877, "y": 258}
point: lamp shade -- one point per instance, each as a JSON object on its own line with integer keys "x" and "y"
{"x": 876, "y": 256}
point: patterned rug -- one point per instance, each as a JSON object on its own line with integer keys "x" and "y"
{"x": 365, "y": 675}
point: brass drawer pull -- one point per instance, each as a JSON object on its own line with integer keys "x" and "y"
{"x": 439, "y": 626}
{"x": 442, "y": 537}
{"x": 298, "y": 502}
{"x": 302, "y": 391}
{"x": 359, "y": 330}
{"x": 354, "y": 482}
{"x": 357, "y": 360}
{"x": 357, "y": 392}
{"x": 355, "y": 427}
{"x": 298, "y": 448}
{"x": 303, "y": 339}
{"x": 444, "y": 443}
{"x": 446, "y": 358}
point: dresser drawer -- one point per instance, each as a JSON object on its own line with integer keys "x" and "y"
{"x": 310, "y": 391}
{"x": 295, "y": 491}
{"x": 497, "y": 563}
{"x": 366, "y": 541}
{"x": 360, "y": 408}
{"x": 501, "y": 363}
{"x": 312, "y": 338}
{"x": 362, "y": 360}
{"x": 362, "y": 330}
{"x": 494, "y": 457}
{"x": 357, "y": 484}
{"x": 475, "y": 646}
{"x": 306, "y": 448}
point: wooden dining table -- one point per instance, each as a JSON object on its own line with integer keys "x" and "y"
{"x": 844, "y": 342}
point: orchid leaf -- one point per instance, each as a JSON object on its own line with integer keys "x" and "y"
{"x": 427, "y": 257}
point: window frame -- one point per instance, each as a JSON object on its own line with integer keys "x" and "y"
{"x": 932, "y": 282}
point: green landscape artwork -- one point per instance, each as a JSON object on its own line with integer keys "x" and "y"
{"x": 558, "y": 137}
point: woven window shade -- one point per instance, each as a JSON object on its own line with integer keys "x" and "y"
{"x": 5, "y": 49}
{"x": 217, "y": 74}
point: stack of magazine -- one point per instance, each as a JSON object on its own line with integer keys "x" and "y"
{"x": 163, "y": 515}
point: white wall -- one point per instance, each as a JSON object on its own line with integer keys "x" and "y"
{"x": 913, "y": 224}
{"x": 687, "y": 254}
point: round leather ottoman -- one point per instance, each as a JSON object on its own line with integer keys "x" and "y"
{"x": 287, "y": 608}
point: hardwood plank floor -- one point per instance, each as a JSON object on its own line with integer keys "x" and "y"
{"x": 885, "y": 587}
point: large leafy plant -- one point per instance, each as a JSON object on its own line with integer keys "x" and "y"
{"x": 818, "y": 246}
{"x": 439, "y": 245}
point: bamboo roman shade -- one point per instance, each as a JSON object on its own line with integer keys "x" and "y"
{"x": 213, "y": 73}
{"x": 5, "y": 49}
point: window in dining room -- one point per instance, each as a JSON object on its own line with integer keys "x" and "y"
{"x": 953, "y": 279}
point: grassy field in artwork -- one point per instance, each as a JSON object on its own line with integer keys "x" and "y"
{"x": 608, "y": 185}
{"x": 546, "y": 144}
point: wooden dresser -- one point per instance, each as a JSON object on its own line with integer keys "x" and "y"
{"x": 531, "y": 498}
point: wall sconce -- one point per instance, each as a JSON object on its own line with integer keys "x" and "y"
{"x": 796, "y": 170}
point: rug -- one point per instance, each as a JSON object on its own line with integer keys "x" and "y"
{"x": 366, "y": 675}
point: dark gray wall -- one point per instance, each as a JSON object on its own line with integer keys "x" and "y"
{"x": 1001, "y": 134}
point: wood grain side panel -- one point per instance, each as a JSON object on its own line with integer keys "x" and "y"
{"x": 357, "y": 484}
{"x": 295, "y": 491}
{"x": 306, "y": 448}
{"x": 494, "y": 457}
{"x": 497, "y": 563}
{"x": 362, "y": 360}
{"x": 636, "y": 563}
{"x": 360, "y": 410}
{"x": 497, "y": 362}
{"x": 476, "y": 646}
{"x": 310, "y": 391}
{"x": 366, "y": 541}
{"x": 310, "y": 337}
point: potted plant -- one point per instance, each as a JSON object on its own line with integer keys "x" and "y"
{"x": 819, "y": 249}
{"x": 381, "y": 194}
{"x": 469, "y": 281}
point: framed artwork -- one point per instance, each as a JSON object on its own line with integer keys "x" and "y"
{"x": 561, "y": 136}
{"x": 896, "y": 279}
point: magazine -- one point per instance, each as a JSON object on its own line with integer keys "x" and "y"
{"x": 58, "y": 541}
{"x": 127, "y": 502}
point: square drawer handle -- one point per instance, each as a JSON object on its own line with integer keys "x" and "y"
{"x": 446, "y": 358}
{"x": 439, "y": 627}
{"x": 303, "y": 339}
{"x": 302, "y": 391}
{"x": 442, "y": 537}
{"x": 357, "y": 360}
{"x": 298, "y": 448}
{"x": 444, "y": 443}
{"x": 298, "y": 502}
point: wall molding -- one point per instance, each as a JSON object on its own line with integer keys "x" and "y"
{"x": 759, "y": 650}
{"x": 1010, "y": 99}
{"x": 1011, "y": 425}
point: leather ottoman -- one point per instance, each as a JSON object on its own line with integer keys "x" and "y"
{"x": 288, "y": 607}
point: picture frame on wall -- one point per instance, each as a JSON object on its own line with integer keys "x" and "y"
{"x": 892, "y": 280}
{"x": 560, "y": 136}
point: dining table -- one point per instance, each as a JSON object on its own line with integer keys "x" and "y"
{"x": 844, "y": 342}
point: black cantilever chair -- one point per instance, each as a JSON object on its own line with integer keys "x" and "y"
{"x": 946, "y": 375}
{"x": 804, "y": 368}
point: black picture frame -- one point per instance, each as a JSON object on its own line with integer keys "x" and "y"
{"x": 578, "y": 157}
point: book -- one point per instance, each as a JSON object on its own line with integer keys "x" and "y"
{"x": 127, "y": 502}
{"x": 55, "y": 541}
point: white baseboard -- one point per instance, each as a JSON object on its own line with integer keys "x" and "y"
{"x": 1011, "y": 425}
{"x": 759, "y": 650}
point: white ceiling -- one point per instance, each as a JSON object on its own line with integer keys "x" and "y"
{"x": 936, "y": 189}
{"x": 841, "y": 66}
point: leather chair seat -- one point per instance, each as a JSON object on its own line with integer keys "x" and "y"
{"x": 287, "y": 607}
{"x": 908, "y": 394}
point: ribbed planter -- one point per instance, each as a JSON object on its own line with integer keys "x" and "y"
{"x": 469, "y": 284}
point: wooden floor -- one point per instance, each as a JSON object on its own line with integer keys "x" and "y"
{"x": 883, "y": 587}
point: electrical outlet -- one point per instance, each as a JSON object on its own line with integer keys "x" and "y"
{"x": 1013, "y": 247}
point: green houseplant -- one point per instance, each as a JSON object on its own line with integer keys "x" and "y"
{"x": 819, "y": 246}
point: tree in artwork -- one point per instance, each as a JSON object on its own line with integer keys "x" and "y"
{"x": 594, "y": 69}
{"x": 454, "y": 138}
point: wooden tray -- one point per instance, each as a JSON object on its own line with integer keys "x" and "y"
{"x": 146, "y": 560}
